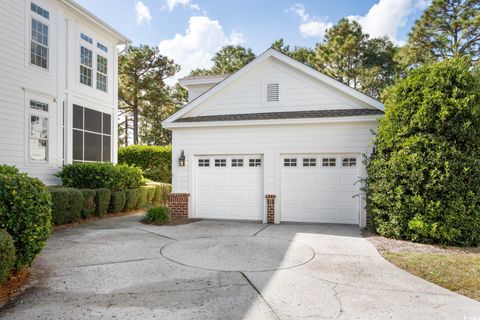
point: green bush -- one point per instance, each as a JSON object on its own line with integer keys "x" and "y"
{"x": 102, "y": 201}
{"x": 67, "y": 205}
{"x": 142, "y": 197}
{"x": 157, "y": 215}
{"x": 131, "y": 199}
{"x": 4, "y": 169}
{"x": 162, "y": 193}
{"x": 7, "y": 255}
{"x": 101, "y": 175}
{"x": 150, "y": 193}
{"x": 155, "y": 161}
{"x": 424, "y": 178}
{"x": 117, "y": 202}
{"x": 26, "y": 214}
{"x": 88, "y": 202}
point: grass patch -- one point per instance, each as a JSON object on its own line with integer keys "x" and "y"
{"x": 458, "y": 272}
{"x": 157, "y": 215}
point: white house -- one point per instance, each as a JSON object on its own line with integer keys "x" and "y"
{"x": 58, "y": 90}
{"x": 276, "y": 141}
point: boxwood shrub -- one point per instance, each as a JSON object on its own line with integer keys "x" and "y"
{"x": 423, "y": 179}
{"x": 131, "y": 196}
{"x": 157, "y": 215}
{"x": 102, "y": 201}
{"x": 162, "y": 193}
{"x": 88, "y": 202}
{"x": 117, "y": 202}
{"x": 25, "y": 213}
{"x": 101, "y": 175}
{"x": 7, "y": 255}
{"x": 155, "y": 161}
{"x": 67, "y": 205}
{"x": 150, "y": 193}
{"x": 142, "y": 197}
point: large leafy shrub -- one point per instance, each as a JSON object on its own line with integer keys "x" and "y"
{"x": 142, "y": 197}
{"x": 157, "y": 215}
{"x": 67, "y": 205}
{"x": 88, "y": 202}
{"x": 156, "y": 161}
{"x": 162, "y": 193}
{"x": 117, "y": 202}
{"x": 101, "y": 175}
{"x": 131, "y": 199}
{"x": 7, "y": 255}
{"x": 25, "y": 212}
{"x": 424, "y": 178}
{"x": 102, "y": 201}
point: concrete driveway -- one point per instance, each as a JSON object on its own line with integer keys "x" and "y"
{"x": 121, "y": 269}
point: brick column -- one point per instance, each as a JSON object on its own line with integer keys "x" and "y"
{"x": 270, "y": 208}
{"x": 179, "y": 205}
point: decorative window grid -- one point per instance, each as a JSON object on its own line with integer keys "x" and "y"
{"x": 309, "y": 162}
{"x": 349, "y": 162}
{"x": 102, "y": 70}
{"x": 237, "y": 162}
{"x": 329, "y": 162}
{"x": 220, "y": 162}
{"x": 86, "y": 66}
{"x": 39, "y": 44}
{"x": 290, "y": 162}
{"x": 39, "y": 10}
{"x": 204, "y": 162}
{"x": 255, "y": 162}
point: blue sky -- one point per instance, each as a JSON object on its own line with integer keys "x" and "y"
{"x": 191, "y": 31}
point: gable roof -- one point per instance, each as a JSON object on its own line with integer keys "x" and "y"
{"x": 285, "y": 59}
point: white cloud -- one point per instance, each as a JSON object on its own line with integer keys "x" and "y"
{"x": 143, "y": 13}
{"x": 388, "y": 17}
{"x": 196, "y": 47}
{"x": 171, "y": 4}
{"x": 310, "y": 26}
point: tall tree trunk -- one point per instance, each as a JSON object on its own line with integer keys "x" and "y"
{"x": 135, "y": 120}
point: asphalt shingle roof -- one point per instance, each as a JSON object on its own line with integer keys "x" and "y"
{"x": 284, "y": 115}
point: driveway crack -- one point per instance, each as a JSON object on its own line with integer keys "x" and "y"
{"x": 157, "y": 234}
{"x": 260, "y": 294}
{"x": 265, "y": 227}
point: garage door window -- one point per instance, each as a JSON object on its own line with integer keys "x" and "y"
{"x": 220, "y": 162}
{"x": 204, "y": 162}
{"x": 329, "y": 162}
{"x": 237, "y": 162}
{"x": 255, "y": 162}
{"x": 309, "y": 162}
{"x": 349, "y": 162}
{"x": 290, "y": 162}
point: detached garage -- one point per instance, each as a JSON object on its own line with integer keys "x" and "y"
{"x": 276, "y": 142}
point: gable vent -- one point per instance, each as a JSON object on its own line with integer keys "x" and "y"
{"x": 272, "y": 92}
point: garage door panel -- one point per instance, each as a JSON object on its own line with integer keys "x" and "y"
{"x": 315, "y": 193}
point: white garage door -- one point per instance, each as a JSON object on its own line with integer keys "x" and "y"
{"x": 229, "y": 187}
{"x": 320, "y": 188}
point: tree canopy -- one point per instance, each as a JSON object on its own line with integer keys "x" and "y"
{"x": 227, "y": 60}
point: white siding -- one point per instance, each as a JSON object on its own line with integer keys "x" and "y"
{"x": 298, "y": 91}
{"x": 196, "y": 90}
{"x": 271, "y": 141}
{"x": 58, "y": 85}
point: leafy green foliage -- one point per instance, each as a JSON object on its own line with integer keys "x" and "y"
{"x": 142, "y": 197}
{"x": 302, "y": 54}
{"x": 423, "y": 178}
{"x": 227, "y": 60}
{"x": 4, "y": 169}
{"x": 162, "y": 193}
{"x": 101, "y": 175}
{"x": 157, "y": 216}
{"x": 88, "y": 202}
{"x": 117, "y": 201}
{"x": 150, "y": 193}
{"x": 102, "y": 201}
{"x": 7, "y": 255}
{"x": 447, "y": 28}
{"x": 132, "y": 196}
{"x": 67, "y": 205}
{"x": 25, "y": 212}
{"x": 156, "y": 161}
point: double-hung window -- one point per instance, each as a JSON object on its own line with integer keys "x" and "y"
{"x": 102, "y": 73}
{"x": 39, "y": 38}
{"x": 86, "y": 66}
{"x": 38, "y": 131}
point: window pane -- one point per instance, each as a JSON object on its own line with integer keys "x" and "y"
{"x": 101, "y": 64}
{"x": 93, "y": 147}
{"x": 38, "y": 149}
{"x": 106, "y": 148}
{"x": 107, "y": 123}
{"x": 38, "y": 127}
{"x": 38, "y": 105}
{"x": 86, "y": 76}
{"x": 77, "y": 145}
{"x": 86, "y": 57}
{"x": 77, "y": 116}
{"x": 93, "y": 120}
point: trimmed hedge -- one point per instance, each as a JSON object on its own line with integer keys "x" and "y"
{"x": 155, "y": 161}
{"x": 131, "y": 199}
{"x": 67, "y": 205}
{"x": 25, "y": 213}
{"x": 88, "y": 202}
{"x": 117, "y": 202}
{"x": 150, "y": 193}
{"x": 157, "y": 215}
{"x": 7, "y": 255}
{"x": 102, "y": 201}
{"x": 162, "y": 193}
{"x": 101, "y": 175}
{"x": 142, "y": 197}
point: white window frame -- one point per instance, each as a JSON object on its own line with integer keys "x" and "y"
{"x": 309, "y": 162}
{"x": 98, "y": 72}
{"x": 237, "y": 162}
{"x": 43, "y": 114}
{"x": 96, "y": 51}
{"x": 204, "y": 162}
{"x": 222, "y": 163}
{"x": 87, "y": 67}
{"x": 349, "y": 162}
{"x": 33, "y": 15}
{"x": 290, "y": 162}
{"x": 329, "y": 162}
{"x": 254, "y": 162}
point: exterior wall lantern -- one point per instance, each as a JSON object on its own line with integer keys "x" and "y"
{"x": 181, "y": 160}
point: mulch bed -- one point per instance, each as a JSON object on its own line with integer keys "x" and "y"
{"x": 13, "y": 285}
